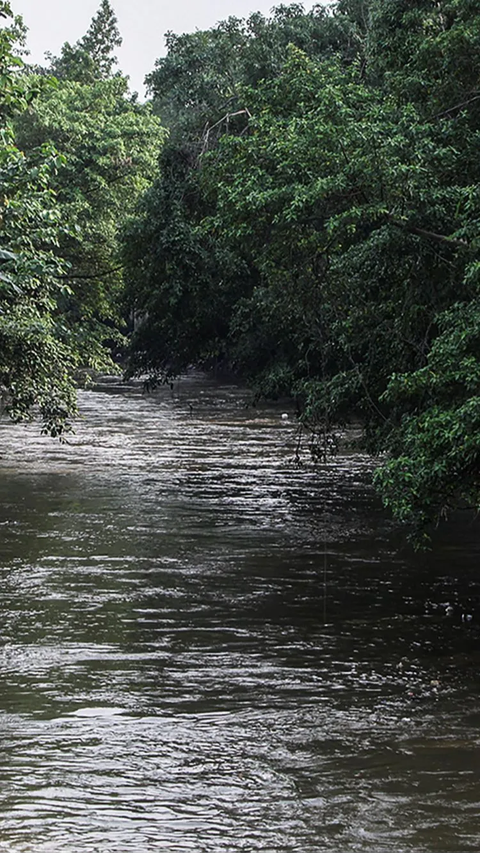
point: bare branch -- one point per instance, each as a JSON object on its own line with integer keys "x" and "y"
{"x": 224, "y": 120}
{"x": 455, "y": 108}
{"x": 101, "y": 274}
{"x": 429, "y": 235}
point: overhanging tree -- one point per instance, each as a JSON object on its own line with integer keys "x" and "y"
{"x": 36, "y": 366}
{"x": 343, "y": 188}
{"x": 110, "y": 145}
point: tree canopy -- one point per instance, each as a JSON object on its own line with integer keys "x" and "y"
{"x": 309, "y": 219}
{"x": 35, "y": 365}
{"x": 76, "y": 153}
{"x": 315, "y": 228}
{"x": 92, "y": 58}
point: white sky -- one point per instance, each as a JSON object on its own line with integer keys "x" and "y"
{"x": 142, "y": 24}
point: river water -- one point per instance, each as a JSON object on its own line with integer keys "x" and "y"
{"x": 206, "y": 646}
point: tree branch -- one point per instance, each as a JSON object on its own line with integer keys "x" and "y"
{"x": 95, "y": 275}
{"x": 224, "y": 120}
{"x": 429, "y": 235}
{"x": 456, "y": 107}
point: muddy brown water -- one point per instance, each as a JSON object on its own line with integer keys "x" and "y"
{"x": 207, "y": 647}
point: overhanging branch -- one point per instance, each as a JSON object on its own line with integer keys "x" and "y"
{"x": 102, "y": 274}
{"x": 455, "y": 108}
{"x": 429, "y": 235}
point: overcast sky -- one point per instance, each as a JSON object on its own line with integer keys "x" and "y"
{"x": 142, "y": 23}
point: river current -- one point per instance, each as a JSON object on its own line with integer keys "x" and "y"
{"x": 209, "y": 646}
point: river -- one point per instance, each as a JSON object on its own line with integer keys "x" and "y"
{"x": 206, "y": 646}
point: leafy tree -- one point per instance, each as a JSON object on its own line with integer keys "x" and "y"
{"x": 92, "y": 57}
{"x": 101, "y": 39}
{"x": 203, "y": 75}
{"x": 427, "y": 52}
{"x": 74, "y": 158}
{"x": 199, "y": 90}
{"x": 322, "y": 235}
{"x": 181, "y": 290}
{"x": 36, "y": 366}
{"x": 110, "y": 146}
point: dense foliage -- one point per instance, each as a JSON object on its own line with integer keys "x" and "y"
{"x": 109, "y": 146}
{"x": 77, "y": 151}
{"x": 315, "y": 228}
{"x": 311, "y": 223}
{"x": 36, "y": 366}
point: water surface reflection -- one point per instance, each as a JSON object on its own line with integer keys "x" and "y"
{"x": 172, "y": 675}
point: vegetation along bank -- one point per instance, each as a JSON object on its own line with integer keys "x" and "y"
{"x": 298, "y": 201}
